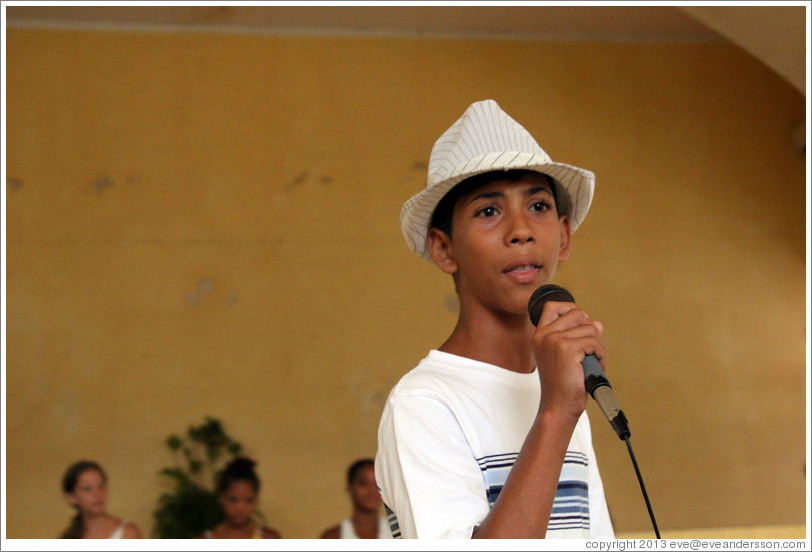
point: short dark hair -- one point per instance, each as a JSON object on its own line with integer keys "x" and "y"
{"x": 443, "y": 214}
{"x": 239, "y": 469}
{"x": 356, "y": 466}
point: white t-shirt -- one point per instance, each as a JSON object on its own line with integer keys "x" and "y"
{"x": 347, "y": 531}
{"x": 449, "y": 434}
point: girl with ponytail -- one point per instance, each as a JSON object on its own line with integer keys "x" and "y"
{"x": 85, "y": 488}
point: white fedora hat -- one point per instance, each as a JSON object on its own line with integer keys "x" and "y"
{"x": 487, "y": 139}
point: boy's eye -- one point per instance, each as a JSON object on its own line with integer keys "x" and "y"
{"x": 541, "y": 206}
{"x": 487, "y": 211}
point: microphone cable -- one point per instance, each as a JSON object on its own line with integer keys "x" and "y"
{"x": 642, "y": 486}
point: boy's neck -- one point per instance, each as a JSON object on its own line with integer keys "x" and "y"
{"x": 503, "y": 342}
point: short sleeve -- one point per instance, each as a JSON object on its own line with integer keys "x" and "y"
{"x": 426, "y": 471}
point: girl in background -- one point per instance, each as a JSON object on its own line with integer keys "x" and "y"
{"x": 366, "y": 521}
{"x": 85, "y": 488}
{"x": 238, "y": 489}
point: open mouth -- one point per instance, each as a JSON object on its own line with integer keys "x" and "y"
{"x": 523, "y": 272}
{"x": 523, "y": 268}
{"x": 521, "y": 265}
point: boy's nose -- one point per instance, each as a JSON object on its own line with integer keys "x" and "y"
{"x": 520, "y": 232}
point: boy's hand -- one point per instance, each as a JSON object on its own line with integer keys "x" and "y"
{"x": 563, "y": 337}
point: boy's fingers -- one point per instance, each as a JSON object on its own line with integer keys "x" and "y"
{"x": 554, "y": 310}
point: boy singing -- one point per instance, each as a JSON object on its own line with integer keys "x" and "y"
{"x": 487, "y": 437}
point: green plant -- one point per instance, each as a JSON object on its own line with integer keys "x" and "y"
{"x": 192, "y": 506}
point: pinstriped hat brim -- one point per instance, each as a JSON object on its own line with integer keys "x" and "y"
{"x": 486, "y": 139}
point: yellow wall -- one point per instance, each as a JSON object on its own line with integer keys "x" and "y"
{"x": 207, "y": 224}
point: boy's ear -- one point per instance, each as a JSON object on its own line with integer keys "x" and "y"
{"x": 565, "y": 238}
{"x": 440, "y": 249}
{"x": 71, "y": 499}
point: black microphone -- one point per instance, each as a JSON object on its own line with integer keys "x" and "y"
{"x": 594, "y": 378}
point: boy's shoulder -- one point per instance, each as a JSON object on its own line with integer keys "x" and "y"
{"x": 440, "y": 374}
{"x": 436, "y": 371}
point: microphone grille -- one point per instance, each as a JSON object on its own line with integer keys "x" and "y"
{"x": 548, "y": 292}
